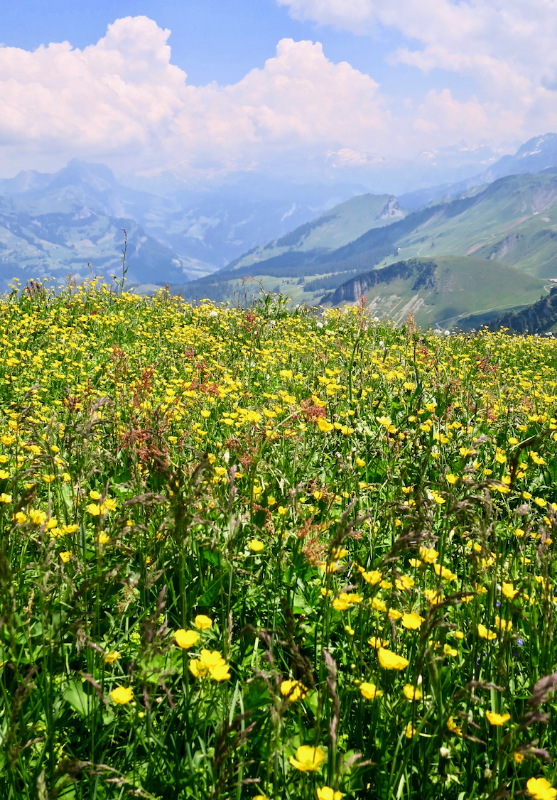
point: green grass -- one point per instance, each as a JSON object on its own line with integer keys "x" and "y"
{"x": 461, "y": 286}
{"x": 357, "y": 521}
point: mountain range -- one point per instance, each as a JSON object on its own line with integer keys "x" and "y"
{"x": 318, "y": 243}
{"x": 53, "y": 224}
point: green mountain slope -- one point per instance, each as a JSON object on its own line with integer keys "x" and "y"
{"x": 539, "y": 317}
{"x": 333, "y": 229}
{"x": 438, "y": 291}
{"x": 514, "y": 221}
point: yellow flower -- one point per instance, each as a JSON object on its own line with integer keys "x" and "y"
{"x": 429, "y": 555}
{"x": 359, "y": 462}
{"x": 503, "y": 624}
{"x": 65, "y": 556}
{"x": 186, "y": 639}
{"x": 412, "y": 692}
{"x": 5, "y": 498}
{"x": 404, "y": 582}
{"x": 509, "y": 591}
{"x": 373, "y": 577}
{"x": 94, "y": 495}
{"x": 497, "y": 719}
{"x": 324, "y": 426}
{"x": 282, "y": 511}
{"x": 370, "y": 691}
{"x": 103, "y": 538}
{"x": 376, "y": 642}
{"x": 453, "y": 727}
{"x": 94, "y": 509}
{"x": 202, "y": 623}
{"x": 308, "y": 759}
{"x": 37, "y": 517}
{"x": 390, "y": 660}
{"x": 66, "y": 477}
{"x": 197, "y": 669}
{"x": 518, "y": 758}
{"x": 256, "y": 545}
{"x": 541, "y": 789}
{"x": 326, "y": 793}
{"x": 121, "y": 695}
{"x": 20, "y": 517}
{"x": 212, "y": 663}
{"x": 452, "y": 479}
{"x": 410, "y": 731}
{"x": 450, "y": 651}
{"x": 485, "y": 633}
{"x": 411, "y": 621}
{"x": 293, "y": 690}
{"x": 444, "y": 573}
{"x": 70, "y": 528}
{"x": 111, "y": 657}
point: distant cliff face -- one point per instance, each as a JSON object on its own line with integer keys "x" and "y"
{"x": 352, "y": 290}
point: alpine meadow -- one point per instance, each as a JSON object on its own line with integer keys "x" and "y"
{"x": 272, "y": 552}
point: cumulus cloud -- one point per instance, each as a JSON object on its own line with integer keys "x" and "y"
{"x": 507, "y": 46}
{"x": 123, "y": 98}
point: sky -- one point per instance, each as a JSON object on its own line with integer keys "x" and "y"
{"x": 205, "y": 88}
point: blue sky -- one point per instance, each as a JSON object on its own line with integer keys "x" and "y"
{"x": 313, "y": 84}
{"x": 220, "y": 40}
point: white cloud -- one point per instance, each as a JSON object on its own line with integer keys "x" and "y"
{"x": 507, "y": 46}
{"x": 122, "y": 98}
{"x": 122, "y": 101}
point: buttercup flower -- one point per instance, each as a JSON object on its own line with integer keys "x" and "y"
{"x": 121, "y": 695}
{"x": 293, "y": 690}
{"x": 326, "y": 793}
{"x": 308, "y": 759}
{"x": 411, "y": 621}
{"x": 412, "y": 692}
{"x": 497, "y": 719}
{"x": 211, "y": 663}
{"x": 541, "y": 789}
{"x": 370, "y": 691}
{"x": 390, "y": 660}
{"x": 186, "y": 639}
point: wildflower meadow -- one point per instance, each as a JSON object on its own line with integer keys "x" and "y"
{"x": 256, "y": 553}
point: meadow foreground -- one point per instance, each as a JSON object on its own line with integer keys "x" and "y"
{"x": 272, "y": 553}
